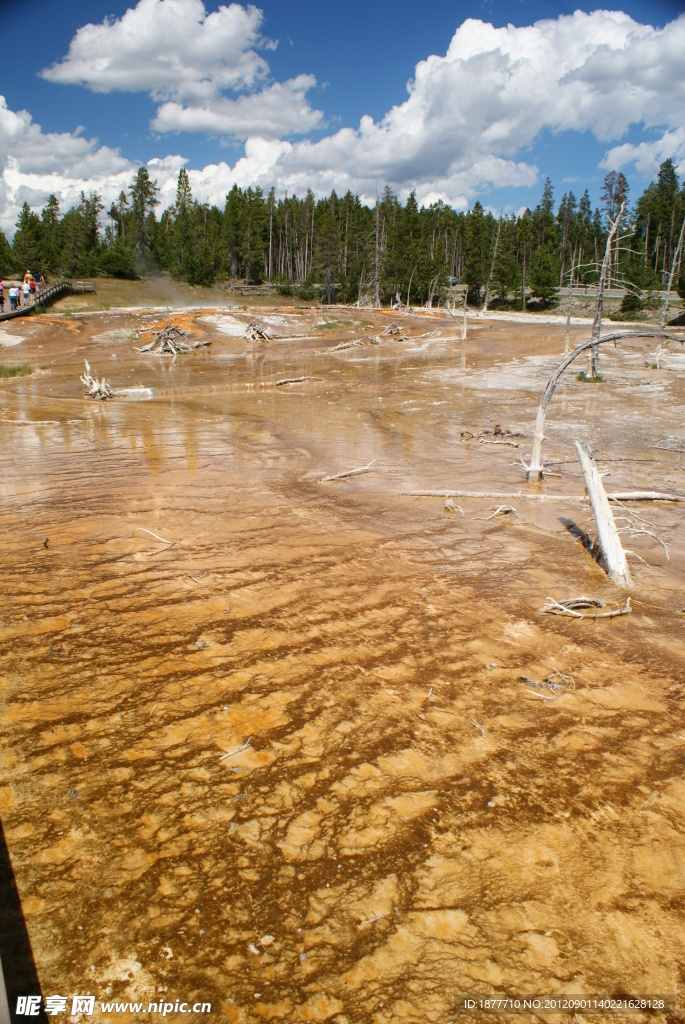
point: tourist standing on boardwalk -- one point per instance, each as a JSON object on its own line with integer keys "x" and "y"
{"x": 27, "y": 292}
{"x": 2, "y": 298}
{"x": 13, "y": 299}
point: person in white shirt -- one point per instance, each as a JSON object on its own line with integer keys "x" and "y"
{"x": 27, "y": 292}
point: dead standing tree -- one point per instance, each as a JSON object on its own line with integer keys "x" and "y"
{"x": 597, "y": 321}
{"x": 492, "y": 267}
{"x": 664, "y": 309}
{"x": 535, "y": 469}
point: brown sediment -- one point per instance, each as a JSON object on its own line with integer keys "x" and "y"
{"x": 407, "y": 821}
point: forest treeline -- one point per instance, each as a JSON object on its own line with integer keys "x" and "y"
{"x": 339, "y": 250}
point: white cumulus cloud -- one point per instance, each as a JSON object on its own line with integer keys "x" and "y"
{"x": 468, "y": 123}
{"x": 169, "y": 48}
{"x": 187, "y": 60}
{"x": 279, "y": 109}
{"x": 471, "y": 113}
{"x": 646, "y": 156}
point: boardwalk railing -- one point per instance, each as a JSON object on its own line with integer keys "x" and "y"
{"x": 48, "y": 294}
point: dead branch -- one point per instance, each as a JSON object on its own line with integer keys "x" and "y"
{"x": 512, "y": 444}
{"x": 96, "y": 388}
{"x": 293, "y": 380}
{"x": 574, "y": 603}
{"x": 393, "y": 329}
{"x": 451, "y": 507}
{"x": 349, "y": 472}
{"x": 542, "y": 696}
{"x": 634, "y": 531}
{"x": 155, "y": 535}
{"x": 355, "y": 343}
{"x": 237, "y": 750}
{"x": 503, "y": 510}
{"x": 570, "y": 608}
{"x": 556, "y": 681}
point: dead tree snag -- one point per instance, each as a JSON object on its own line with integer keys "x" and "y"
{"x": 96, "y": 388}
{"x": 609, "y": 540}
{"x": 535, "y": 470}
{"x": 597, "y": 321}
{"x": 664, "y": 309}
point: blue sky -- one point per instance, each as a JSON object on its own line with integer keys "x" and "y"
{"x": 304, "y": 93}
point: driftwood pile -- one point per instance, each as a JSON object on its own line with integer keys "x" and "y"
{"x": 170, "y": 341}
{"x": 96, "y": 388}
{"x": 256, "y": 333}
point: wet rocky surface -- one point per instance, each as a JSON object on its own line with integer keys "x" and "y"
{"x": 286, "y": 745}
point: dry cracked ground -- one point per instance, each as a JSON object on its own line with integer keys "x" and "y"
{"x": 288, "y": 745}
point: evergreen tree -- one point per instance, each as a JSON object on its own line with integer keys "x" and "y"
{"x": 143, "y": 192}
{"x": 26, "y": 247}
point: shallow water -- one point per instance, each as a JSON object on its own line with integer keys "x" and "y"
{"x": 413, "y": 817}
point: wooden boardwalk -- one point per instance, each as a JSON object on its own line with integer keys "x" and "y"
{"x": 47, "y": 295}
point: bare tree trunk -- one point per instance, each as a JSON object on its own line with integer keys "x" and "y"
{"x": 567, "y": 340}
{"x": 409, "y": 285}
{"x": 431, "y": 291}
{"x": 664, "y": 308}
{"x": 597, "y": 322}
{"x": 647, "y": 238}
{"x": 492, "y": 267}
{"x": 609, "y": 540}
{"x": 377, "y": 261}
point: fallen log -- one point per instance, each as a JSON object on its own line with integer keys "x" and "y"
{"x": 609, "y": 540}
{"x": 293, "y": 380}
{"x": 523, "y": 496}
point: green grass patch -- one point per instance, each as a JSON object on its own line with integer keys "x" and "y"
{"x": 15, "y": 371}
{"x": 584, "y": 379}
